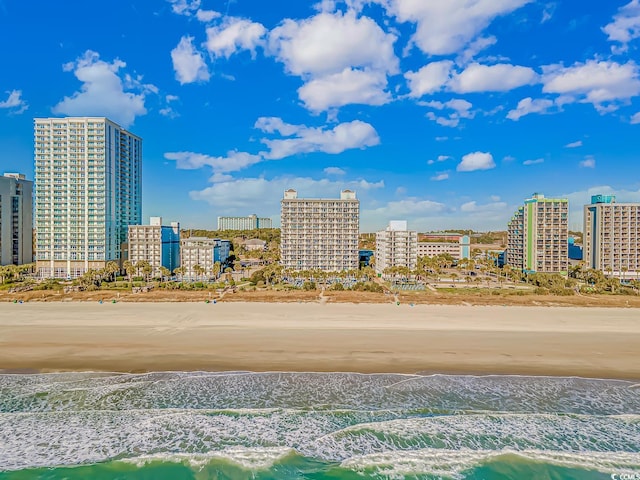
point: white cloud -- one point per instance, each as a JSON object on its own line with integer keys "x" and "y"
{"x": 185, "y": 7}
{"x": 588, "y": 162}
{"x": 234, "y": 34}
{"x": 206, "y": 15}
{"x": 440, "y": 176}
{"x": 410, "y": 207}
{"x": 495, "y": 198}
{"x": 237, "y": 195}
{"x": 102, "y": 91}
{"x": 635, "y": 119}
{"x": 508, "y": 158}
{"x": 460, "y": 108}
{"x": 334, "y": 171}
{"x": 344, "y": 88}
{"x": 344, "y": 136}
{"x": 476, "y": 161}
{"x": 442, "y": 158}
{"x": 233, "y": 162}
{"x": 429, "y": 79}
{"x": 446, "y": 27}
{"x": 474, "y": 48}
{"x": 575, "y": 144}
{"x": 330, "y": 43}
{"x": 595, "y": 82}
{"x": 14, "y": 101}
{"x": 625, "y": 26}
{"x": 473, "y": 207}
{"x": 529, "y": 105}
{"x": 188, "y": 62}
{"x": 492, "y": 78}
{"x": 533, "y": 162}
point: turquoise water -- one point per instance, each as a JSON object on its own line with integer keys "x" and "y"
{"x": 242, "y": 425}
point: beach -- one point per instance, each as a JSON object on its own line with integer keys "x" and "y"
{"x": 315, "y": 337}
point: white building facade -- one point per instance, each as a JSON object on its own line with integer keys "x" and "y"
{"x": 612, "y": 236}
{"x": 252, "y": 222}
{"x": 319, "y": 234}
{"x": 458, "y": 249}
{"x": 16, "y": 219}
{"x": 396, "y": 246}
{"x": 155, "y": 243}
{"x": 204, "y": 252}
{"x": 88, "y": 190}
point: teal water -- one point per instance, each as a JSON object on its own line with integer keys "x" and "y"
{"x": 243, "y": 425}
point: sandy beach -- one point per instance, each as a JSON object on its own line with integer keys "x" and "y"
{"x": 135, "y": 337}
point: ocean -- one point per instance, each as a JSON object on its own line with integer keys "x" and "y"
{"x": 243, "y": 425}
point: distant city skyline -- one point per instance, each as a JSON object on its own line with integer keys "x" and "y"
{"x": 436, "y": 113}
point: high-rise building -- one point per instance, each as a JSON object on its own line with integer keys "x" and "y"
{"x": 396, "y": 246}
{"x": 538, "y": 234}
{"x": 203, "y": 252}
{"x": 612, "y": 236}
{"x": 16, "y": 222}
{"x": 88, "y": 183}
{"x": 157, "y": 244}
{"x": 319, "y": 234}
{"x": 252, "y": 222}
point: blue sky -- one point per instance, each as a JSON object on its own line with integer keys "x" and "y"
{"x": 446, "y": 114}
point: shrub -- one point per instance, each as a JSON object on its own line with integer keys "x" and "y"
{"x": 338, "y": 287}
{"x": 309, "y": 286}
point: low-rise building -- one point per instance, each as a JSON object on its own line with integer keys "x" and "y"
{"x": 157, "y": 244}
{"x": 203, "y": 253}
{"x": 251, "y": 222}
{"x": 396, "y": 246}
{"x": 254, "y": 244}
{"x": 458, "y": 246}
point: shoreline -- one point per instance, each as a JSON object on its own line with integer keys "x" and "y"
{"x": 313, "y": 337}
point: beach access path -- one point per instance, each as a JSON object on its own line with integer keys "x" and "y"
{"x": 367, "y": 338}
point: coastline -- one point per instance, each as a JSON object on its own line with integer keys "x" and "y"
{"x": 314, "y": 337}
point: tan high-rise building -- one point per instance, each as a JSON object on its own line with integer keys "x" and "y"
{"x": 16, "y": 223}
{"x": 319, "y": 234}
{"x": 396, "y": 246}
{"x": 538, "y": 236}
{"x": 88, "y": 182}
{"x": 612, "y": 236}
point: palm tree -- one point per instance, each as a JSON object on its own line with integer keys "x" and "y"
{"x": 129, "y": 269}
{"x": 111, "y": 269}
{"x": 217, "y": 267}
{"x": 180, "y": 271}
{"x": 164, "y": 273}
{"x": 198, "y": 270}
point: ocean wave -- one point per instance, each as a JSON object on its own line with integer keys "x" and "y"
{"x": 329, "y": 391}
{"x": 51, "y": 439}
{"x": 452, "y": 464}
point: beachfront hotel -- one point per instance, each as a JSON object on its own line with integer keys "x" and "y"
{"x": 319, "y": 233}
{"x": 198, "y": 255}
{"x": 538, "y": 234}
{"x": 16, "y": 224}
{"x": 396, "y": 246}
{"x": 88, "y": 183}
{"x": 456, "y": 245}
{"x": 252, "y": 222}
{"x": 155, "y": 243}
{"x": 611, "y": 236}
